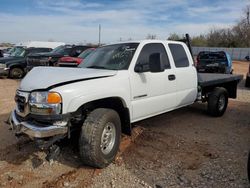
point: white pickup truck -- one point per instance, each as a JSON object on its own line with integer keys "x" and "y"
{"x": 116, "y": 86}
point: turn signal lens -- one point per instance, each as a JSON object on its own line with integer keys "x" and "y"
{"x": 54, "y": 98}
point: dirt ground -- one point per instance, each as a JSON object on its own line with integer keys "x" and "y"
{"x": 183, "y": 148}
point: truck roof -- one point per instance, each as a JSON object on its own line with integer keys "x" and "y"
{"x": 146, "y": 41}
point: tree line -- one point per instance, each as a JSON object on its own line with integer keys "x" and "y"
{"x": 236, "y": 36}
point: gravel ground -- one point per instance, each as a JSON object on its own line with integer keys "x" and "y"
{"x": 183, "y": 148}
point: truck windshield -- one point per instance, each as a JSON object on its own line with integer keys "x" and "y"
{"x": 111, "y": 57}
{"x": 64, "y": 50}
{"x": 18, "y": 52}
{"x": 85, "y": 53}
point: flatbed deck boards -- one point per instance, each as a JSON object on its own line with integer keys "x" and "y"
{"x": 210, "y": 79}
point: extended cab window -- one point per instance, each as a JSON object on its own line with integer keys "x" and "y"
{"x": 179, "y": 55}
{"x": 149, "y": 49}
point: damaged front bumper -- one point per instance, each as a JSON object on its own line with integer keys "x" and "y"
{"x": 35, "y": 130}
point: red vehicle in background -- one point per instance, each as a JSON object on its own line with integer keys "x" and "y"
{"x": 74, "y": 61}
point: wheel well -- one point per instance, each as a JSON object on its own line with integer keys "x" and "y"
{"x": 231, "y": 88}
{"x": 114, "y": 103}
{"x": 16, "y": 66}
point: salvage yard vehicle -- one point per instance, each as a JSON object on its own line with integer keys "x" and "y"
{"x": 116, "y": 86}
{"x": 214, "y": 62}
{"x": 33, "y": 44}
{"x": 51, "y": 58}
{"x": 247, "y": 83}
{"x": 74, "y": 61}
{"x": 14, "y": 65}
{"x": 1, "y": 53}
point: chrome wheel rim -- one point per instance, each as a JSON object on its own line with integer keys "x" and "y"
{"x": 108, "y": 138}
{"x": 222, "y": 101}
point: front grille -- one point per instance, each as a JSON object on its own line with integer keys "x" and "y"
{"x": 21, "y": 99}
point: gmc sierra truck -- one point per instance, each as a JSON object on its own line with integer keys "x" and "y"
{"x": 115, "y": 87}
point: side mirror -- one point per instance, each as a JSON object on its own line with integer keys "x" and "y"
{"x": 155, "y": 64}
{"x": 139, "y": 68}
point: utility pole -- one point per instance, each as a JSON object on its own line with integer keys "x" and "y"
{"x": 247, "y": 11}
{"x": 248, "y": 15}
{"x": 99, "y": 35}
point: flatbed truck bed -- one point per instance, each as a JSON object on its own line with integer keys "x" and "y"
{"x": 208, "y": 81}
{"x": 211, "y": 79}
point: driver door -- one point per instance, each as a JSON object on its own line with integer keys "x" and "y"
{"x": 152, "y": 93}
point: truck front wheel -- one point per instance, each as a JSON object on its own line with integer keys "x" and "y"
{"x": 217, "y": 102}
{"x": 100, "y": 137}
{"x": 16, "y": 72}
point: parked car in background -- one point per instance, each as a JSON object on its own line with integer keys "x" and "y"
{"x": 33, "y": 44}
{"x": 1, "y": 53}
{"x": 14, "y": 66}
{"x": 9, "y": 51}
{"x": 51, "y": 58}
{"x": 74, "y": 61}
{"x": 5, "y": 51}
{"x": 214, "y": 62}
{"x": 247, "y": 83}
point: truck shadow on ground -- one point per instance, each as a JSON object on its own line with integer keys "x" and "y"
{"x": 185, "y": 147}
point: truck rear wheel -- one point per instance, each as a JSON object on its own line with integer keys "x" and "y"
{"x": 217, "y": 102}
{"x": 100, "y": 137}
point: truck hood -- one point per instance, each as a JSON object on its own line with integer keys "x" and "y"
{"x": 40, "y": 78}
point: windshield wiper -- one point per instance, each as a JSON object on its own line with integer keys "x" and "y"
{"x": 96, "y": 67}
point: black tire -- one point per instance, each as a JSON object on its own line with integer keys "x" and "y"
{"x": 248, "y": 167}
{"x": 16, "y": 72}
{"x": 247, "y": 83}
{"x": 217, "y": 102}
{"x": 93, "y": 129}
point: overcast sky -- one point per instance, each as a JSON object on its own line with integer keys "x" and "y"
{"x": 75, "y": 21}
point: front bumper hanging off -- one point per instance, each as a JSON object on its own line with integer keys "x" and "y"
{"x": 34, "y": 130}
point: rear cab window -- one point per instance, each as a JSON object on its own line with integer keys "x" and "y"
{"x": 179, "y": 55}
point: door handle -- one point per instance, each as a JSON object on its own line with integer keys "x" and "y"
{"x": 171, "y": 77}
